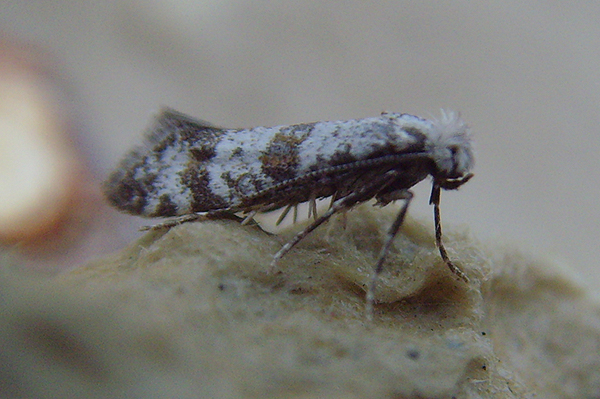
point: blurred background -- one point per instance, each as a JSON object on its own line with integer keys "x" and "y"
{"x": 80, "y": 80}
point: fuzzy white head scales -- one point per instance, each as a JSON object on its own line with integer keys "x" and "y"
{"x": 450, "y": 145}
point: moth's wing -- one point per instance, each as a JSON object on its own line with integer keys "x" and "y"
{"x": 168, "y": 121}
{"x": 165, "y": 175}
{"x": 167, "y": 113}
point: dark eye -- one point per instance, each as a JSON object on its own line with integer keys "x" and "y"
{"x": 453, "y": 149}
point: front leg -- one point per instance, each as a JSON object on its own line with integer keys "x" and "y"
{"x": 435, "y": 201}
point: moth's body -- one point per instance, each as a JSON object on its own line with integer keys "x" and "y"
{"x": 188, "y": 167}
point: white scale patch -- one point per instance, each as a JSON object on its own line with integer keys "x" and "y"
{"x": 168, "y": 181}
{"x": 237, "y": 155}
{"x": 359, "y": 136}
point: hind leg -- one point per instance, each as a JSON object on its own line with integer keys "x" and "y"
{"x": 193, "y": 217}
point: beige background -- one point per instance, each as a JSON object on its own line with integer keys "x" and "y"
{"x": 524, "y": 74}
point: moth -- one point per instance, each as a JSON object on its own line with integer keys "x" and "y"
{"x": 191, "y": 170}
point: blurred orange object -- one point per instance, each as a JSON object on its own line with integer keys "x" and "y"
{"x": 42, "y": 176}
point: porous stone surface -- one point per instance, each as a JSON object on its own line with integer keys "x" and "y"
{"x": 195, "y": 312}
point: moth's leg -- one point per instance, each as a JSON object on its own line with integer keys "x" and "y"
{"x": 333, "y": 198}
{"x": 435, "y": 201}
{"x": 338, "y": 205}
{"x": 407, "y": 196}
{"x": 192, "y": 217}
{"x": 283, "y": 214}
{"x": 312, "y": 206}
{"x": 248, "y": 218}
{"x": 174, "y": 222}
{"x": 342, "y": 219}
{"x": 343, "y": 203}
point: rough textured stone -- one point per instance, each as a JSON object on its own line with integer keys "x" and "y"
{"x": 193, "y": 312}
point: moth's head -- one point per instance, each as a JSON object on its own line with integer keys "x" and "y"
{"x": 450, "y": 146}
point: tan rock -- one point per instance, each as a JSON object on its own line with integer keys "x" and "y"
{"x": 193, "y": 312}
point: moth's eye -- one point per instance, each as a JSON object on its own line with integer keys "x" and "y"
{"x": 453, "y": 149}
